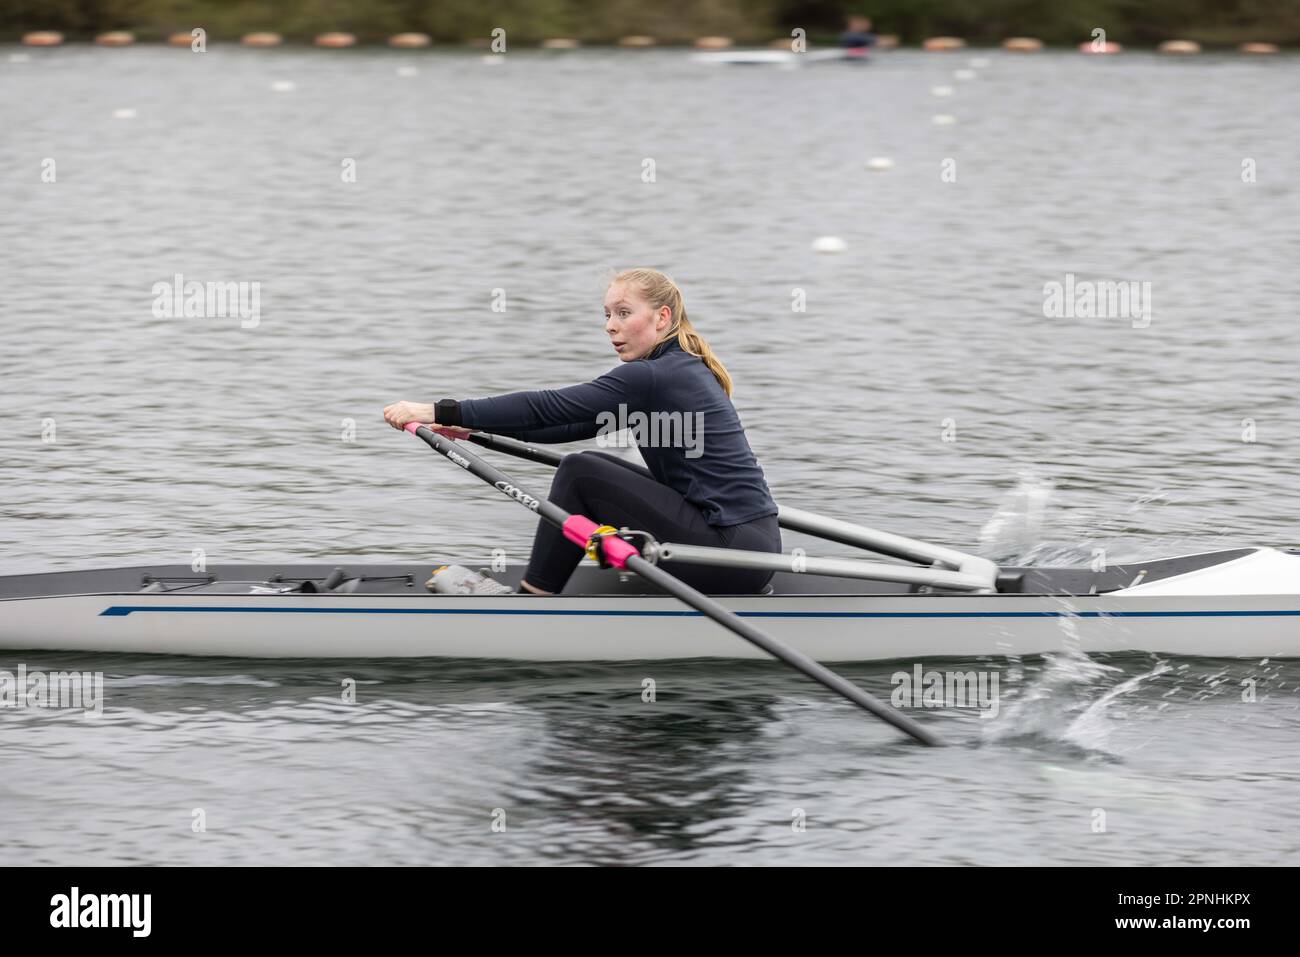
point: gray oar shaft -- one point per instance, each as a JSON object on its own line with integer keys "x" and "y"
{"x": 684, "y": 593}
{"x": 812, "y": 565}
{"x": 516, "y": 448}
{"x": 887, "y": 543}
{"x": 795, "y": 659}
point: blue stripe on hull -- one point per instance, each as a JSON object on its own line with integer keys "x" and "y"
{"x": 121, "y": 611}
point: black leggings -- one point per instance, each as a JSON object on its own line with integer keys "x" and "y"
{"x": 611, "y": 491}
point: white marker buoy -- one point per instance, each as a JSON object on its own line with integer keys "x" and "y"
{"x": 964, "y": 74}
{"x": 125, "y": 113}
{"x": 829, "y": 244}
{"x": 941, "y": 90}
{"x": 880, "y": 163}
{"x": 407, "y": 71}
{"x": 944, "y": 119}
{"x": 282, "y": 86}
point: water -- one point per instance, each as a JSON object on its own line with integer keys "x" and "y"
{"x": 1070, "y": 434}
{"x": 580, "y": 769}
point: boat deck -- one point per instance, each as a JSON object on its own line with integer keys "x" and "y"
{"x": 388, "y": 579}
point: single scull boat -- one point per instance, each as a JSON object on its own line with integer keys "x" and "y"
{"x": 783, "y": 58}
{"x": 1239, "y": 603}
{"x": 1242, "y": 602}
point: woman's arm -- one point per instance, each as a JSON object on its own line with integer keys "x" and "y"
{"x": 400, "y": 413}
{"x": 577, "y": 405}
{"x": 573, "y": 432}
{"x": 544, "y": 415}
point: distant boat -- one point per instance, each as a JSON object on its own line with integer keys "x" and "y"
{"x": 779, "y": 57}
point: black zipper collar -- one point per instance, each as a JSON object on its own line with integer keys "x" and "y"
{"x": 663, "y": 347}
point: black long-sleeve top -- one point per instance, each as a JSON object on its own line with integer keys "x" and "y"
{"x": 680, "y": 417}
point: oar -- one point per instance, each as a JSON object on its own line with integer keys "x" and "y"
{"x": 522, "y": 450}
{"x": 621, "y": 554}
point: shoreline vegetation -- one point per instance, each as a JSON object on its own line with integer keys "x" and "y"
{"x": 1213, "y": 24}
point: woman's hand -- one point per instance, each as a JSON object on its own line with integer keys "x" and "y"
{"x": 400, "y": 413}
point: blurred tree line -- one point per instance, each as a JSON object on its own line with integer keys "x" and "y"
{"x": 987, "y": 21}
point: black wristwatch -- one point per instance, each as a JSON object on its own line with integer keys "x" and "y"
{"x": 446, "y": 412}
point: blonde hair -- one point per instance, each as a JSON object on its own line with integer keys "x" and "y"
{"x": 660, "y": 291}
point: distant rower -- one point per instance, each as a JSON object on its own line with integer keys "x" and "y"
{"x": 857, "y": 38}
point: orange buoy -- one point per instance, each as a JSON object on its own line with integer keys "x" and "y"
{"x": 42, "y": 38}
{"x": 1258, "y": 48}
{"x": 181, "y": 40}
{"x": 637, "y": 42}
{"x": 1179, "y": 46}
{"x": 712, "y": 43}
{"x": 115, "y": 38}
{"x": 336, "y": 41}
{"x": 261, "y": 40}
{"x": 560, "y": 43}
{"x": 940, "y": 44}
{"x": 1022, "y": 44}
{"x": 1110, "y": 46}
{"x": 409, "y": 41}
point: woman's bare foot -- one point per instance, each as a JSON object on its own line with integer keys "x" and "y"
{"x": 536, "y": 591}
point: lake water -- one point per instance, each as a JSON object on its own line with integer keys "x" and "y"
{"x": 921, "y": 389}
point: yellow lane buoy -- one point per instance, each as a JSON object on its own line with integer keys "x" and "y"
{"x": 409, "y": 41}
{"x": 336, "y": 41}
{"x": 42, "y": 38}
{"x": 261, "y": 40}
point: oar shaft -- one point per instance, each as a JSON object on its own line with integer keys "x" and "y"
{"x": 795, "y": 659}
{"x": 523, "y": 450}
{"x": 580, "y": 529}
{"x": 813, "y": 565}
{"x": 489, "y": 473}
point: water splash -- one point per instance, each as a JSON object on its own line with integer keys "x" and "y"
{"x": 1090, "y": 730}
{"x": 1070, "y": 701}
{"x": 1015, "y": 530}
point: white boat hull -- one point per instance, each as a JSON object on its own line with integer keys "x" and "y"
{"x": 783, "y": 58}
{"x": 828, "y": 628}
{"x": 1244, "y": 603}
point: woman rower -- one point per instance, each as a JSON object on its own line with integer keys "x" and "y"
{"x": 703, "y": 485}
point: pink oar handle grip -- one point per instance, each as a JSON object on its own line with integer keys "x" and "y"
{"x": 579, "y": 529}
{"x": 443, "y": 430}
